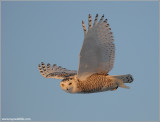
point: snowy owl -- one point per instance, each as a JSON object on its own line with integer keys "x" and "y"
{"x": 96, "y": 59}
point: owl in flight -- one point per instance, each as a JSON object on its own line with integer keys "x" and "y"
{"x": 96, "y": 59}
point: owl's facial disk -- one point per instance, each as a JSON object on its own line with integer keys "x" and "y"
{"x": 67, "y": 85}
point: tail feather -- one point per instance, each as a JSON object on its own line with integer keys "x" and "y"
{"x": 119, "y": 82}
{"x": 125, "y": 78}
{"x": 121, "y": 79}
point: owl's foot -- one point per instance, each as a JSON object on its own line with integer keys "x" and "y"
{"x": 115, "y": 88}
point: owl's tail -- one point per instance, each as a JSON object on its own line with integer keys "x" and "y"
{"x": 121, "y": 79}
{"x": 125, "y": 78}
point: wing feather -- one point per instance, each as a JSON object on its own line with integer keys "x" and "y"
{"x": 55, "y": 71}
{"x": 98, "y": 50}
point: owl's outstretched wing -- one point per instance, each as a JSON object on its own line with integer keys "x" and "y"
{"x": 55, "y": 71}
{"x": 98, "y": 50}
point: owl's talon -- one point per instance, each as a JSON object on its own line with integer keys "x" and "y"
{"x": 115, "y": 88}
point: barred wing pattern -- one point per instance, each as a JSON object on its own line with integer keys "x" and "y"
{"x": 55, "y": 71}
{"x": 98, "y": 50}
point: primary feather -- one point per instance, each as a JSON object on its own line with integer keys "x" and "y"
{"x": 55, "y": 71}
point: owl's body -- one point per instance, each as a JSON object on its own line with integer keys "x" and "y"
{"x": 95, "y": 83}
{"x": 96, "y": 60}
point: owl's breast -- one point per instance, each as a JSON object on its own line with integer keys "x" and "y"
{"x": 96, "y": 83}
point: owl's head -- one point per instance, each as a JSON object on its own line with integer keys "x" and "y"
{"x": 69, "y": 85}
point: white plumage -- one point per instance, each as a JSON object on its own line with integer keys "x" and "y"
{"x": 96, "y": 59}
{"x": 98, "y": 51}
{"x": 55, "y": 71}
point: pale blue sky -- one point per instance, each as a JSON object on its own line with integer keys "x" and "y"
{"x": 33, "y": 32}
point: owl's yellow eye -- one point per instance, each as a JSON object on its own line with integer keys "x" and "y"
{"x": 62, "y": 85}
{"x": 70, "y": 83}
